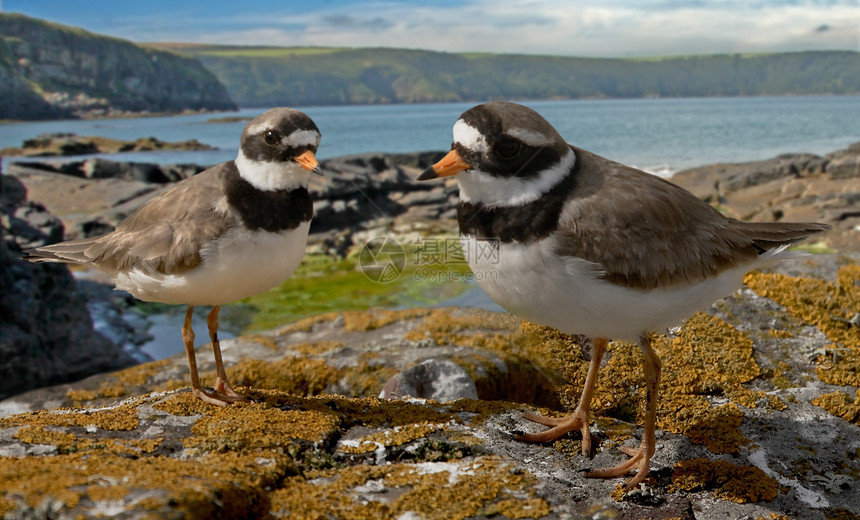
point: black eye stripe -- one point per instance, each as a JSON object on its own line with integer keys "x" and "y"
{"x": 508, "y": 148}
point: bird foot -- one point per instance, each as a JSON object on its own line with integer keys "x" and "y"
{"x": 558, "y": 427}
{"x": 640, "y": 459}
{"x": 220, "y": 396}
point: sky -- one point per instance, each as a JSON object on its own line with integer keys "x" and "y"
{"x": 608, "y": 28}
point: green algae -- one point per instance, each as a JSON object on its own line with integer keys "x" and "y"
{"x": 323, "y": 283}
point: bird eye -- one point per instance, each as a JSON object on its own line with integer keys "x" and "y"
{"x": 508, "y": 148}
{"x": 271, "y": 137}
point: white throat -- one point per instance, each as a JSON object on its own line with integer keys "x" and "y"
{"x": 479, "y": 187}
{"x": 271, "y": 176}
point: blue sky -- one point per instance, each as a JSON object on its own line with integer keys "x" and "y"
{"x": 560, "y": 27}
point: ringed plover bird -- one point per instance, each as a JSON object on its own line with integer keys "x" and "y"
{"x": 229, "y": 232}
{"x": 590, "y": 246}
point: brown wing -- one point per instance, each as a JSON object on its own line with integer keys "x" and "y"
{"x": 646, "y": 232}
{"x": 164, "y": 235}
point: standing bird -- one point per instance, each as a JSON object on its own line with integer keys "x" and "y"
{"x": 590, "y": 246}
{"x": 232, "y": 231}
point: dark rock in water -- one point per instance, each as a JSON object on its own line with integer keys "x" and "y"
{"x": 46, "y": 334}
{"x": 66, "y": 145}
{"x": 377, "y": 190}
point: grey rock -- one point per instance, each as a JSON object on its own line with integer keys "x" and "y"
{"x": 46, "y": 334}
{"x": 438, "y": 379}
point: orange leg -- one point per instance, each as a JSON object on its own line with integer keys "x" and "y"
{"x": 578, "y": 420}
{"x": 640, "y": 458}
{"x": 222, "y": 384}
{"x": 223, "y": 393}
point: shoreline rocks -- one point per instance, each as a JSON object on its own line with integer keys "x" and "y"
{"x": 66, "y": 145}
{"x": 46, "y": 333}
{"x": 792, "y": 187}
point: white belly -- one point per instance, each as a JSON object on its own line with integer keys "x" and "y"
{"x": 236, "y": 266}
{"x": 567, "y": 293}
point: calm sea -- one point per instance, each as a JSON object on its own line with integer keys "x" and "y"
{"x": 659, "y": 135}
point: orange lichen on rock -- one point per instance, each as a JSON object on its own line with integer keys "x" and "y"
{"x": 363, "y": 321}
{"x": 210, "y": 486}
{"x": 841, "y": 405}
{"x": 120, "y": 417}
{"x": 447, "y": 327}
{"x": 396, "y": 436}
{"x": 300, "y": 376}
{"x": 729, "y": 481}
{"x": 830, "y": 306}
{"x": 463, "y": 489}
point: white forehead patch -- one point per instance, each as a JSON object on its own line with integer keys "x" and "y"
{"x": 479, "y": 187}
{"x": 258, "y": 129}
{"x": 303, "y": 138}
{"x": 529, "y": 137}
{"x": 469, "y": 137}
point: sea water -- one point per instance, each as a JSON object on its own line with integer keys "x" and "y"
{"x": 659, "y": 135}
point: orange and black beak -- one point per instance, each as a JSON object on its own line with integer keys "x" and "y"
{"x": 451, "y": 164}
{"x": 308, "y": 161}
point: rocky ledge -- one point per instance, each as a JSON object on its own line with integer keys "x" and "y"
{"x": 791, "y": 187}
{"x": 759, "y": 418}
{"x": 63, "y": 145}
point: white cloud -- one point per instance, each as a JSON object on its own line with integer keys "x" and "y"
{"x": 612, "y": 28}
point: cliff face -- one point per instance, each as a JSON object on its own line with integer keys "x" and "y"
{"x": 49, "y": 71}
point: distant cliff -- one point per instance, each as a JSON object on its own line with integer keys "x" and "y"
{"x": 54, "y": 71}
{"x": 265, "y": 76}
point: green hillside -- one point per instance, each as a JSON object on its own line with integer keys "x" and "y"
{"x": 49, "y": 70}
{"x": 261, "y": 76}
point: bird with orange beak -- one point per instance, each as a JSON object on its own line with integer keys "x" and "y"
{"x": 589, "y": 246}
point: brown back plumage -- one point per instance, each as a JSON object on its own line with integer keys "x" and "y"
{"x": 162, "y": 236}
{"x": 645, "y": 232}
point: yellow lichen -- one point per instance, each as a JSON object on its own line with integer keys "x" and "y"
{"x": 300, "y": 376}
{"x": 434, "y": 491}
{"x": 210, "y": 486}
{"x": 363, "y": 321}
{"x": 741, "y": 484}
{"x": 254, "y": 426}
{"x": 316, "y": 348}
{"x": 840, "y": 405}
{"x": 41, "y": 435}
{"x": 830, "y": 306}
{"x": 121, "y": 417}
{"x": 396, "y": 436}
